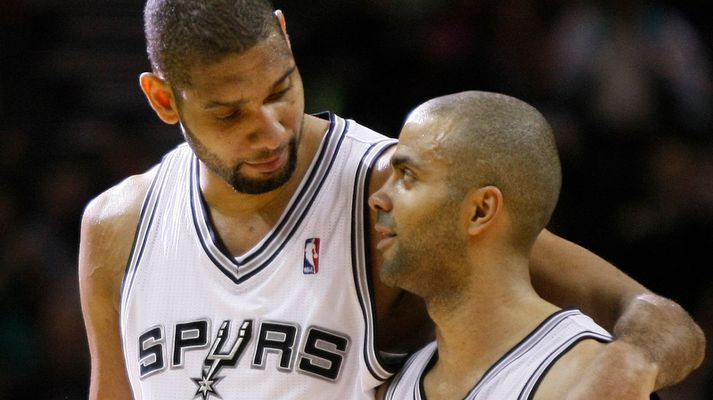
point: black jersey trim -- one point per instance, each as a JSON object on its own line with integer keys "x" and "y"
{"x": 533, "y": 383}
{"x": 424, "y": 359}
{"x": 399, "y": 377}
{"x": 523, "y": 346}
{"x": 360, "y": 250}
{"x": 239, "y": 269}
{"x": 544, "y": 329}
{"x": 192, "y": 199}
{"x": 420, "y": 388}
{"x": 143, "y": 226}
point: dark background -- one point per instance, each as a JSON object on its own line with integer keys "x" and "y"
{"x": 626, "y": 85}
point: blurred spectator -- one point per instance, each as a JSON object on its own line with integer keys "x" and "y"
{"x": 633, "y": 64}
{"x": 632, "y": 99}
{"x": 623, "y": 75}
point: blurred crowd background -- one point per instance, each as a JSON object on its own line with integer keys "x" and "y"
{"x": 626, "y": 85}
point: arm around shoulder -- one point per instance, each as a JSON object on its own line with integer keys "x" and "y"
{"x": 665, "y": 334}
{"x": 108, "y": 226}
{"x": 659, "y": 330}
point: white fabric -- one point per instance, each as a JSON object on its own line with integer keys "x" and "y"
{"x": 295, "y": 310}
{"x": 517, "y": 374}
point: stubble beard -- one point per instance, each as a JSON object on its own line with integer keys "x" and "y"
{"x": 418, "y": 263}
{"x": 239, "y": 181}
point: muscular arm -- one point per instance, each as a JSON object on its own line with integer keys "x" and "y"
{"x": 108, "y": 227}
{"x": 649, "y": 328}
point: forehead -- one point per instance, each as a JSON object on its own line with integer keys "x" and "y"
{"x": 261, "y": 65}
{"x": 421, "y": 142}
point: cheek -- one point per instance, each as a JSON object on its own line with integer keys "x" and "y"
{"x": 409, "y": 215}
{"x": 423, "y": 220}
{"x": 296, "y": 117}
{"x": 295, "y": 103}
{"x": 294, "y": 112}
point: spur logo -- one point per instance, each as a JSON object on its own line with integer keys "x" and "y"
{"x": 316, "y": 351}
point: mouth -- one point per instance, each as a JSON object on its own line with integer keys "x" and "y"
{"x": 387, "y": 237}
{"x": 269, "y": 165}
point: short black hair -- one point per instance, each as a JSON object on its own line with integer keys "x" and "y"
{"x": 181, "y": 34}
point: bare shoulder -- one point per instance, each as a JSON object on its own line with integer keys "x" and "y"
{"x": 569, "y": 370}
{"x": 109, "y": 223}
{"x": 108, "y": 228}
{"x": 120, "y": 201}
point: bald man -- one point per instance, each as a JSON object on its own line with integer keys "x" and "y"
{"x": 475, "y": 178}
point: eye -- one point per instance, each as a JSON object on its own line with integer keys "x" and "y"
{"x": 231, "y": 115}
{"x": 280, "y": 90}
{"x": 278, "y": 95}
{"x": 406, "y": 176}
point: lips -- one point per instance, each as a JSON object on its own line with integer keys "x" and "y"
{"x": 269, "y": 165}
{"x": 387, "y": 237}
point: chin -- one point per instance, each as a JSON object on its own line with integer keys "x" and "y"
{"x": 389, "y": 275}
{"x": 389, "y": 282}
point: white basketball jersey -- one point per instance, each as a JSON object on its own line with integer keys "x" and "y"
{"x": 293, "y": 318}
{"x": 518, "y": 373}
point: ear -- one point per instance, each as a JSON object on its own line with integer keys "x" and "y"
{"x": 283, "y": 26}
{"x": 483, "y": 207}
{"x": 160, "y": 96}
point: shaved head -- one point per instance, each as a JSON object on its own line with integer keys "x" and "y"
{"x": 494, "y": 139}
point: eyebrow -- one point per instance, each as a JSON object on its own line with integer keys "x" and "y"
{"x": 237, "y": 103}
{"x": 399, "y": 160}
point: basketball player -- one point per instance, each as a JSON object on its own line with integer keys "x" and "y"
{"x": 241, "y": 265}
{"x": 475, "y": 179}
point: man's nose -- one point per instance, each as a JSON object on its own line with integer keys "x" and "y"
{"x": 380, "y": 200}
{"x": 269, "y": 133}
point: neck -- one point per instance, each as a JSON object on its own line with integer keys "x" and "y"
{"x": 222, "y": 198}
{"x": 241, "y": 220}
{"x": 483, "y": 319}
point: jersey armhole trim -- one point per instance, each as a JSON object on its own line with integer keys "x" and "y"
{"x": 361, "y": 256}
{"x": 530, "y": 388}
{"x": 143, "y": 226}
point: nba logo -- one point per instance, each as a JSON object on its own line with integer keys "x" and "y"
{"x": 311, "y": 259}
